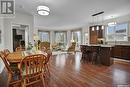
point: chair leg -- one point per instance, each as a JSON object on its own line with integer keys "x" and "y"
{"x": 23, "y": 83}
{"x": 43, "y": 81}
{"x": 9, "y": 79}
{"x": 48, "y": 70}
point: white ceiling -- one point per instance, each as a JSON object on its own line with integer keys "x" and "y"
{"x": 72, "y": 13}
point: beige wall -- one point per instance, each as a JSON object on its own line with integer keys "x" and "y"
{"x": 19, "y": 19}
{"x": 25, "y": 19}
{"x": 2, "y": 34}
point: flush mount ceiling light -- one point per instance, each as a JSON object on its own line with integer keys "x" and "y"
{"x": 43, "y": 10}
{"x": 112, "y": 24}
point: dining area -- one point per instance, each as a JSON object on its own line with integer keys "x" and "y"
{"x": 61, "y": 70}
{"x": 25, "y": 68}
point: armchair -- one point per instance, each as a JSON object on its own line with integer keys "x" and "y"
{"x": 45, "y": 45}
{"x": 72, "y": 47}
{"x": 55, "y": 47}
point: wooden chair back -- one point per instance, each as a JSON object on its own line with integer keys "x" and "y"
{"x": 47, "y": 71}
{"x": 7, "y": 65}
{"x": 31, "y": 67}
{"x": 48, "y": 58}
{"x": 2, "y": 55}
{"x": 73, "y": 43}
{"x": 11, "y": 82}
{"x": 6, "y": 52}
{"x": 32, "y": 64}
{"x": 45, "y": 44}
{"x": 72, "y": 47}
{"x": 19, "y": 49}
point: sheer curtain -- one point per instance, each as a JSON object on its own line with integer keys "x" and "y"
{"x": 76, "y": 37}
{"x": 44, "y": 36}
{"x": 60, "y": 38}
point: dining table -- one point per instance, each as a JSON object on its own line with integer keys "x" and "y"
{"x": 16, "y": 57}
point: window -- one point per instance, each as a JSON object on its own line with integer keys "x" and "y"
{"x": 61, "y": 38}
{"x": 44, "y": 36}
{"x": 117, "y": 32}
{"x": 76, "y": 37}
{"x": 86, "y": 38}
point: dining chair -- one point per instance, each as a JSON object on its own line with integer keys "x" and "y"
{"x": 19, "y": 49}
{"x": 13, "y": 79}
{"x": 95, "y": 55}
{"x": 72, "y": 47}
{"x": 47, "y": 63}
{"x": 6, "y": 52}
{"x": 86, "y": 53}
{"x": 45, "y": 44}
{"x": 32, "y": 70}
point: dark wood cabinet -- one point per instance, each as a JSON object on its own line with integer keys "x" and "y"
{"x": 100, "y": 33}
{"x": 122, "y": 52}
{"x": 95, "y": 34}
{"x": 106, "y": 55}
{"x": 117, "y": 51}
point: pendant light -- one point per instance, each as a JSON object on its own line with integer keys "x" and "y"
{"x": 97, "y": 25}
{"x": 102, "y": 22}
{"x": 93, "y": 28}
{"x": 97, "y": 28}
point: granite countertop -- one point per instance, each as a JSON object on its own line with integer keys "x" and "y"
{"x": 102, "y": 45}
{"x": 107, "y": 45}
{"x": 124, "y": 44}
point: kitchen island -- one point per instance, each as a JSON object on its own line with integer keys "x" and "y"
{"x": 105, "y": 52}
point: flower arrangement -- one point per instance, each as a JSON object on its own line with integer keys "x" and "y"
{"x": 30, "y": 46}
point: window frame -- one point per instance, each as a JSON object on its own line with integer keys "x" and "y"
{"x": 116, "y": 34}
{"x": 77, "y": 43}
{"x": 46, "y": 32}
{"x": 65, "y": 42}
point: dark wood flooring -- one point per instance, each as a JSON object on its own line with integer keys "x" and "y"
{"x": 67, "y": 71}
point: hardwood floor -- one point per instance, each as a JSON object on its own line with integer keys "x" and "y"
{"x": 67, "y": 71}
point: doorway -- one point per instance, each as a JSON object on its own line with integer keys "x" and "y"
{"x": 20, "y": 36}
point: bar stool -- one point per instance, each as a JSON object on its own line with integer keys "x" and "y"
{"x": 95, "y": 55}
{"x": 85, "y": 54}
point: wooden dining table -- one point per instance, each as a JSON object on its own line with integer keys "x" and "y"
{"x": 16, "y": 57}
